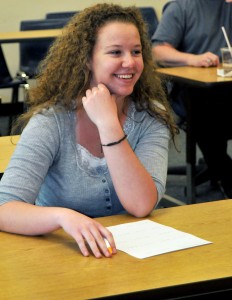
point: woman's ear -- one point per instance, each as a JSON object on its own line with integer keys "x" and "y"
{"x": 88, "y": 64}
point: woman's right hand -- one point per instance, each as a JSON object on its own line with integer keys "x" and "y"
{"x": 88, "y": 233}
{"x": 30, "y": 219}
{"x": 100, "y": 106}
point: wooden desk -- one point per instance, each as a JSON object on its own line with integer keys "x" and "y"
{"x": 51, "y": 266}
{"x": 193, "y": 77}
{"x": 7, "y": 147}
{"x": 30, "y": 35}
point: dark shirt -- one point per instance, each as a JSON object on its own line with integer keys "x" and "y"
{"x": 194, "y": 26}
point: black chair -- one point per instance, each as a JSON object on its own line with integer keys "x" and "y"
{"x": 150, "y": 17}
{"x": 202, "y": 173}
{"x": 148, "y": 13}
{"x": 32, "y": 52}
{"x": 8, "y": 82}
{"x": 60, "y": 15}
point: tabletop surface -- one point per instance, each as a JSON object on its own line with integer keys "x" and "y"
{"x": 51, "y": 266}
{"x": 206, "y": 76}
{"x": 7, "y": 147}
{"x": 20, "y": 36}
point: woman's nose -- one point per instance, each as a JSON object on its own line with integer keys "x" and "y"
{"x": 128, "y": 61}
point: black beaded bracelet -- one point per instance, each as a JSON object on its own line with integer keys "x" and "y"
{"x": 115, "y": 143}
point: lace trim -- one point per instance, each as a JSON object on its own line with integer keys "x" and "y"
{"x": 90, "y": 163}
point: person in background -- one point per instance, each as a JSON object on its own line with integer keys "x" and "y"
{"x": 190, "y": 34}
{"x": 96, "y": 135}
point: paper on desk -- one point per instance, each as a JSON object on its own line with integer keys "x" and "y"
{"x": 147, "y": 238}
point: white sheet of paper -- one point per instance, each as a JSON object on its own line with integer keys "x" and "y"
{"x": 147, "y": 238}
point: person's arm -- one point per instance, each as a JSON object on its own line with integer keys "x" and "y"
{"x": 166, "y": 55}
{"x": 28, "y": 219}
{"x": 133, "y": 184}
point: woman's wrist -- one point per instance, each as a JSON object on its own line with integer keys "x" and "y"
{"x": 115, "y": 142}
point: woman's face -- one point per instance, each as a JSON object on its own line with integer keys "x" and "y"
{"x": 117, "y": 58}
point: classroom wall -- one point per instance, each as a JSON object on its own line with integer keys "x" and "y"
{"x": 13, "y": 11}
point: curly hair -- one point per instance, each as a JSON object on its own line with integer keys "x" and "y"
{"x": 64, "y": 77}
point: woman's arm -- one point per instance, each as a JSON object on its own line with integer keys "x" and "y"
{"x": 133, "y": 184}
{"x": 28, "y": 219}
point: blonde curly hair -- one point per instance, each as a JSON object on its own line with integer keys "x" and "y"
{"x": 64, "y": 76}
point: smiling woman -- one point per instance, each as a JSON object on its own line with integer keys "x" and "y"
{"x": 102, "y": 91}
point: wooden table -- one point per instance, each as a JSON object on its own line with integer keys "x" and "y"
{"x": 7, "y": 147}
{"x": 29, "y": 35}
{"x": 51, "y": 266}
{"x": 193, "y": 77}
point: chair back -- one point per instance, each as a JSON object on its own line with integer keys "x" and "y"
{"x": 150, "y": 17}
{"x": 32, "y": 52}
{"x": 5, "y": 76}
{"x": 15, "y": 107}
{"x": 148, "y": 13}
{"x": 61, "y": 15}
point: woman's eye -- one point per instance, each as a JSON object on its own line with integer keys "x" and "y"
{"x": 115, "y": 52}
{"x": 119, "y": 52}
{"x": 137, "y": 52}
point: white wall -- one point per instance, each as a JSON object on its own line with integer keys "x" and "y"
{"x": 13, "y": 11}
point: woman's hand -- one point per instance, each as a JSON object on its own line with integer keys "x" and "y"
{"x": 30, "y": 219}
{"x": 100, "y": 106}
{"x": 87, "y": 233}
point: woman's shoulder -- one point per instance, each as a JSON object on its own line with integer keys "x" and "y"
{"x": 52, "y": 115}
{"x": 54, "y": 120}
{"x": 143, "y": 117}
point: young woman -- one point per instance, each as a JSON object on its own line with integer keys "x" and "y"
{"x": 96, "y": 136}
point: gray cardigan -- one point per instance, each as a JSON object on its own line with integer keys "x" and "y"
{"x": 48, "y": 168}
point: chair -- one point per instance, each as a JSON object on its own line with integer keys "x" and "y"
{"x": 202, "y": 173}
{"x": 32, "y": 52}
{"x": 148, "y": 13}
{"x": 8, "y": 82}
{"x": 150, "y": 17}
{"x": 60, "y": 15}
